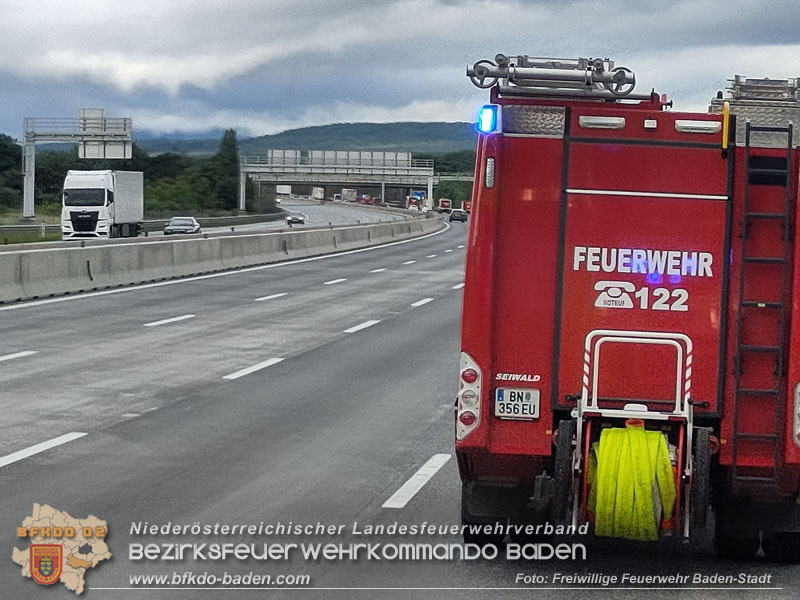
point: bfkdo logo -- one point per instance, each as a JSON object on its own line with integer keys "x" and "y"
{"x": 46, "y": 562}
{"x": 62, "y": 548}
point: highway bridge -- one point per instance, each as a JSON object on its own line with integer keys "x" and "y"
{"x": 312, "y": 391}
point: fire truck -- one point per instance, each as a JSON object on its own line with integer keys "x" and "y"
{"x": 630, "y": 347}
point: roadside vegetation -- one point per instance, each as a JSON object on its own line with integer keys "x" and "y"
{"x": 175, "y": 183}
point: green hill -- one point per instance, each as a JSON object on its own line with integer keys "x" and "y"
{"x": 427, "y": 138}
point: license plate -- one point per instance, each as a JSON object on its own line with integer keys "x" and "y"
{"x": 516, "y": 403}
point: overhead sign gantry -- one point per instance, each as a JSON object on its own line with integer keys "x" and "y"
{"x": 97, "y": 136}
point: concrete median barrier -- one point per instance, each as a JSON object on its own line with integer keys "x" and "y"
{"x": 41, "y": 272}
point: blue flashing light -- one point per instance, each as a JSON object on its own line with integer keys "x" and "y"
{"x": 653, "y": 277}
{"x": 674, "y": 278}
{"x": 487, "y": 119}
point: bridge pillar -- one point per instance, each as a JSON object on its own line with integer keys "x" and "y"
{"x": 29, "y": 170}
{"x": 242, "y": 191}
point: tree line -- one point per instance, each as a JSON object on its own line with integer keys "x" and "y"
{"x": 173, "y": 182}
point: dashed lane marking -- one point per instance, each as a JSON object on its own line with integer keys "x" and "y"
{"x": 170, "y": 320}
{"x": 17, "y": 355}
{"x": 39, "y": 448}
{"x": 417, "y": 481}
{"x": 271, "y": 297}
{"x": 254, "y": 368}
{"x": 361, "y": 326}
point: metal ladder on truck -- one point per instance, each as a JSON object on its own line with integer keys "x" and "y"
{"x": 772, "y": 171}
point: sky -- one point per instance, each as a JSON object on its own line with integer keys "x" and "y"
{"x": 264, "y": 66}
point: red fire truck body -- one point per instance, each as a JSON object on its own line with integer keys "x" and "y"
{"x": 630, "y": 262}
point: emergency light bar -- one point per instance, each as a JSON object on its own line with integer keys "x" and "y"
{"x": 524, "y": 75}
{"x": 487, "y": 119}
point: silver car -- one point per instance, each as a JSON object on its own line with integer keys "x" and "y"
{"x": 182, "y": 225}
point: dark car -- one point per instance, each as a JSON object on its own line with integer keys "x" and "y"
{"x": 295, "y": 218}
{"x": 182, "y": 225}
{"x": 458, "y": 215}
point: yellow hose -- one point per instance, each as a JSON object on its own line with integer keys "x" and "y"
{"x": 631, "y": 483}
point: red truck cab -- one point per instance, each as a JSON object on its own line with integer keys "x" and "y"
{"x": 632, "y": 266}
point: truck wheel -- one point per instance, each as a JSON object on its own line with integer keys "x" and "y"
{"x": 562, "y": 472}
{"x": 783, "y": 547}
{"x": 701, "y": 483}
{"x": 728, "y": 546}
{"x": 735, "y": 548}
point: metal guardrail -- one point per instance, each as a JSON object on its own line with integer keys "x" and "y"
{"x": 204, "y": 221}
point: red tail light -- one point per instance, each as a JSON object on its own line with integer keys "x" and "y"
{"x": 467, "y": 418}
{"x": 468, "y": 401}
{"x": 469, "y": 375}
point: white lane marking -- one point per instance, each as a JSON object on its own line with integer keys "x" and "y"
{"x": 377, "y": 270}
{"x": 431, "y": 256}
{"x": 145, "y": 286}
{"x": 458, "y": 286}
{"x": 416, "y": 482}
{"x": 147, "y": 410}
{"x": 271, "y": 297}
{"x": 423, "y": 301}
{"x": 36, "y": 449}
{"x": 409, "y": 262}
{"x": 130, "y": 415}
{"x": 361, "y": 326}
{"x": 171, "y": 320}
{"x": 334, "y": 281}
{"x": 254, "y": 368}
{"x": 448, "y": 251}
{"x": 461, "y": 246}
{"x": 17, "y": 355}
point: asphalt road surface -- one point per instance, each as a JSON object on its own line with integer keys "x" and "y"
{"x": 308, "y": 393}
{"x": 316, "y": 215}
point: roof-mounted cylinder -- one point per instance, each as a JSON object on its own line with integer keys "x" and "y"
{"x": 527, "y": 76}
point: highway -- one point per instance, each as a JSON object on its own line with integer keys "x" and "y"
{"x": 303, "y": 392}
{"x": 316, "y": 215}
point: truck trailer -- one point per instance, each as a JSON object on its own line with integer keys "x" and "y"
{"x": 630, "y": 350}
{"x": 102, "y": 204}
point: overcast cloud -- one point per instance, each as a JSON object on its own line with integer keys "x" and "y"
{"x": 262, "y": 66}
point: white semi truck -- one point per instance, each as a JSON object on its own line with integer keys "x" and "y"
{"x": 98, "y": 204}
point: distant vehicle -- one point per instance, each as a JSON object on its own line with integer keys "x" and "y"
{"x": 413, "y": 208}
{"x": 364, "y": 199}
{"x": 458, "y": 215}
{"x": 102, "y": 204}
{"x": 182, "y": 225}
{"x": 283, "y": 190}
{"x": 445, "y": 205}
{"x": 349, "y": 195}
{"x": 337, "y": 197}
{"x": 467, "y": 205}
{"x": 277, "y": 200}
{"x": 298, "y": 218}
{"x": 318, "y": 194}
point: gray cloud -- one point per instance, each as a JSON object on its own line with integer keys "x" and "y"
{"x": 264, "y": 66}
